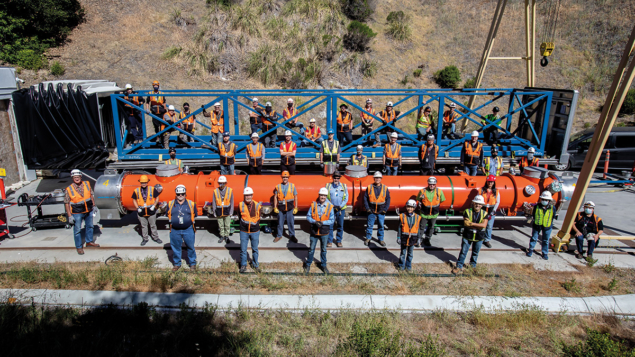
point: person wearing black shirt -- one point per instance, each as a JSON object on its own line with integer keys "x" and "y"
{"x": 587, "y": 226}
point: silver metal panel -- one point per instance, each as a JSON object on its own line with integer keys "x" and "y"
{"x": 167, "y": 170}
{"x": 356, "y": 171}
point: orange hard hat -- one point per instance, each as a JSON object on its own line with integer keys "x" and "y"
{"x": 144, "y": 178}
{"x": 155, "y": 83}
{"x": 285, "y": 173}
{"x": 491, "y": 178}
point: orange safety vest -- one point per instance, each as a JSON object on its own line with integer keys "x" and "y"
{"x": 222, "y": 203}
{"x": 430, "y": 208}
{"x": 149, "y": 201}
{"x": 424, "y": 151}
{"x": 473, "y": 154}
{"x": 80, "y": 203}
{"x": 227, "y": 156}
{"x": 343, "y": 123}
{"x": 192, "y": 208}
{"x": 388, "y": 117}
{"x": 447, "y": 119}
{"x": 524, "y": 162}
{"x": 377, "y": 201}
{"x": 189, "y": 120}
{"x": 286, "y": 202}
{"x": 490, "y": 197}
{"x": 578, "y": 218}
{"x": 156, "y": 99}
{"x": 408, "y": 231}
{"x": 172, "y": 118}
{"x": 267, "y": 122}
{"x": 217, "y": 119}
{"x": 286, "y": 113}
{"x": 393, "y": 156}
{"x": 253, "y": 117}
{"x": 290, "y": 147}
{"x": 248, "y": 223}
{"x": 313, "y": 133}
{"x": 368, "y": 117}
{"x": 323, "y": 230}
{"x": 133, "y": 100}
{"x": 255, "y": 158}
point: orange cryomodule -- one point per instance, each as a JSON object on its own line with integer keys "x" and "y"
{"x": 114, "y": 191}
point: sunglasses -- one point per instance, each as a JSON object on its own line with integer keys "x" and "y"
{"x": 180, "y": 194}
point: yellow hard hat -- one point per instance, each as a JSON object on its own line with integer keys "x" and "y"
{"x": 285, "y": 173}
{"x": 155, "y": 83}
{"x": 144, "y": 178}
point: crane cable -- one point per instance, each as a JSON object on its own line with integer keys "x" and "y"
{"x": 549, "y": 34}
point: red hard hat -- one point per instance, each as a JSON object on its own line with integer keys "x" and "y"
{"x": 491, "y": 178}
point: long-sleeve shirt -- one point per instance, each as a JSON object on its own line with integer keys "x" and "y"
{"x": 254, "y": 148}
{"x": 337, "y": 195}
{"x": 377, "y": 190}
{"x": 411, "y": 221}
{"x": 321, "y": 208}
{"x": 231, "y": 201}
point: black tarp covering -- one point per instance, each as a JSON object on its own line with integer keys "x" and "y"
{"x": 58, "y": 129}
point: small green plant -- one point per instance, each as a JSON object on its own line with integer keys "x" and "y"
{"x": 171, "y": 52}
{"x": 405, "y": 80}
{"x": 358, "y": 36}
{"x": 398, "y": 25}
{"x": 612, "y": 285}
{"x": 358, "y": 10}
{"x": 417, "y": 72}
{"x": 449, "y": 77}
{"x": 30, "y": 59}
{"x": 628, "y": 107}
{"x": 609, "y": 267}
{"x": 598, "y": 344}
{"x": 57, "y": 69}
{"x": 587, "y": 125}
{"x": 590, "y": 261}
{"x": 571, "y": 286}
{"x": 470, "y": 83}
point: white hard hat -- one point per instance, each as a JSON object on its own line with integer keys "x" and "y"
{"x": 312, "y": 120}
{"x": 430, "y": 137}
{"x": 532, "y": 150}
{"x": 452, "y": 105}
{"x": 479, "y": 199}
{"x": 369, "y": 100}
{"x": 394, "y": 135}
{"x": 254, "y": 100}
{"x": 287, "y": 133}
{"x": 255, "y": 135}
{"x": 411, "y": 203}
{"x": 180, "y": 189}
{"x": 432, "y": 180}
{"x": 217, "y": 104}
{"x": 359, "y": 147}
{"x": 475, "y": 133}
{"x": 389, "y": 104}
{"x": 323, "y": 191}
{"x": 222, "y": 179}
{"x": 589, "y": 204}
{"x": 378, "y": 174}
{"x": 76, "y": 172}
{"x": 170, "y": 107}
{"x": 546, "y": 195}
{"x": 268, "y": 104}
{"x": 248, "y": 191}
{"x": 290, "y": 100}
{"x": 128, "y": 86}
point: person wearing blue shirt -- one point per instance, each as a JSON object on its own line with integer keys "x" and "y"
{"x": 181, "y": 214}
{"x": 321, "y": 217}
{"x": 338, "y": 196}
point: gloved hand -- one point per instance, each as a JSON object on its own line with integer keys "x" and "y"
{"x": 71, "y": 220}
{"x": 399, "y": 241}
{"x": 152, "y": 208}
{"x": 159, "y": 188}
{"x": 318, "y": 224}
{"x": 95, "y": 209}
{"x": 337, "y": 209}
{"x": 382, "y": 212}
{"x": 276, "y": 210}
{"x": 322, "y": 165}
{"x": 139, "y": 209}
{"x": 295, "y": 210}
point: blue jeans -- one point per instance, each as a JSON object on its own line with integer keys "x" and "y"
{"x": 372, "y": 217}
{"x": 465, "y": 246}
{"x": 216, "y": 138}
{"x": 244, "y": 242}
{"x": 471, "y": 170}
{"x": 339, "y": 220}
{"x": 391, "y": 171}
{"x": 177, "y": 237}
{"x": 226, "y": 169}
{"x": 579, "y": 241}
{"x": 255, "y": 128}
{"x": 490, "y": 227}
{"x": 422, "y": 134}
{"x": 314, "y": 239}
{"x": 344, "y": 137}
{"x": 546, "y": 234}
{"x": 307, "y": 144}
{"x": 77, "y": 228}
{"x": 288, "y": 217}
{"x": 405, "y": 259}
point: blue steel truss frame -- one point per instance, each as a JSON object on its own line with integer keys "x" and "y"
{"x": 438, "y": 99}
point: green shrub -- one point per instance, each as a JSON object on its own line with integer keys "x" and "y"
{"x": 449, "y": 77}
{"x": 171, "y": 52}
{"x": 57, "y": 69}
{"x": 358, "y": 36}
{"x": 368, "y": 67}
{"x": 628, "y": 107}
{"x": 358, "y": 10}
{"x": 470, "y": 83}
{"x": 598, "y": 344}
{"x": 30, "y": 59}
{"x": 417, "y": 72}
{"x": 398, "y": 25}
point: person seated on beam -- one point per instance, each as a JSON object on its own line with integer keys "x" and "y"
{"x": 270, "y": 116}
{"x": 449, "y": 122}
{"x": 368, "y": 121}
{"x": 491, "y": 134}
{"x": 388, "y": 115}
{"x": 289, "y": 112}
{"x": 312, "y": 133}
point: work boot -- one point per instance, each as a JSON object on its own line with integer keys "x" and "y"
{"x": 243, "y": 269}
{"x": 487, "y": 244}
{"x": 426, "y": 242}
{"x": 418, "y": 243}
{"x": 158, "y": 241}
{"x": 367, "y": 242}
{"x": 193, "y": 267}
{"x": 80, "y": 251}
{"x": 456, "y": 271}
{"x": 329, "y": 245}
{"x": 277, "y": 239}
{"x": 92, "y": 244}
{"x": 325, "y": 270}
{"x": 221, "y": 239}
{"x": 307, "y": 269}
{"x": 255, "y": 268}
{"x": 339, "y": 245}
{"x": 578, "y": 255}
{"x": 293, "y": 239}
{"x": 144, "y": 242}
{"x": 545, "y": 257}
{"x": 529, "y": 254}
{"x": 176, "y": 268}
{"x": 382, "y": 243}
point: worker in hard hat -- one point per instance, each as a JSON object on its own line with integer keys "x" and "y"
{"x": 288, "y": 149}
{"x": 542, "y": 222}
{"x": 472, "y": 155}
{"x": 428, "y": 154}
{"x": 408, "y": 234}
{"x": 79, "y": 201}
{"x": 376, "y": 202}
{"x": 170, "y": 117}
{"x": 450, "y": 118}
{"x": 344, "y": 125}
{"x": 255, "y": 154}
{"x": 133, "y": 119}
{"x": 158, "y": 107}
{"x": 217, "y": 123}
{"x": 492, "y": 199}
{"x": 359, "y": 159}
{"x": 173, "y": 160}
{"x": 189, "y": 124}
{"x": 338, "y": 196}
{"x": 285, "y": 203}
{"x": 388, "y": 115}
{"x": 491, "y": 134}
{"x": 290, "y": 112}
{"x": 312, "y": 133}
{"x": 424, "y": 123}
{"x": 227, "y": 152}
{"x": 330, "y": 150}
{"x": 392, "y": 156}
{"x": 430, "y": 199}
{"x": 223, "y": 208}
{"x": 181, "y": 215}
{"x": 269, "y": 118}
{"x": 475, "y": 222}
{"x": 255, "y": 116}
{"x": 587, "y": 226}
{"x": 368, "y": 121}
{"x": 321, "y": 217}
{"x": 249, "y": 229}
{"x": 529, "y": 160}
{"x": 145, "y": 199}
{"x": 493, "y": 165}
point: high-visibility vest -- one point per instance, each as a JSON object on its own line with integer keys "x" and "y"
{"x": 344, "y": 190}
{"x": 424, "y": 122}
{"x": 489, "y": 197}
{"x": 473, "y": 234}
{"x": 368, "y": 117}
{"x": 330, "y": 156}
{"x": 424, "y": 151}
{"x": 176, "y": 162}
{"x": 254, "y": 117}
{"x": 149, "y": 201}
{"x": 407, "y": 231}
{"x": 189, "y": 120}
{"x": 290, "y": 147}
{"x": 312, "y": 133}
{"x": 447, "y": 119}
{"x": 288, "y": 113}
{"x": 499, "y": 168}
{"x": 285, "y": 202}
{"x": 543, "y": 217}
{"x": 388, "y": 117}
{"x": 324, "y": 229}
{"x": 133, "y": 100}
{"x": 255, "y": 157}
{"x": 227, "y": 157}
{"x": 430, "y": 208}
{"x": 524, "y": 162}
{"x": 80, "y": 203}
{"x": 491, "y": 118}
{"x": 578, "y": 218}
{"x": 343, "y": 122}
{"x": 217, "y": 119}
{"x": 223, "y": 202}
{"x": 169, "y": 118}
{"x": 272, "y": 114}
{"x": 362, "y": 162}
{"x": 393, "y": 156}
{"x": 192, "y": 206}
{"x": 249, "y": 223}
{"x": 156, "y": 99}
{"x": 472, "y": 153}
{"x": 376, "y": 201}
